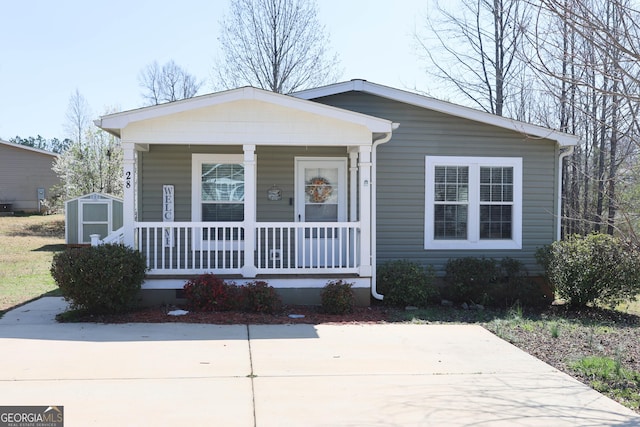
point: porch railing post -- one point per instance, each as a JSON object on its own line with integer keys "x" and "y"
{"x": 129, "y": 188}
{"x": 365, "y": 211}
{"x": 249, "y": 268}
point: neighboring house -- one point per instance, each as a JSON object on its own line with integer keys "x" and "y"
{"x": 328, "y": 183}
{"x": 26, "y": 176}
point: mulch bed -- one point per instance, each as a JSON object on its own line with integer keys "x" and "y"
{"x": 289, "y": 315}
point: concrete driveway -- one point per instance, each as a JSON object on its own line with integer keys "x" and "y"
{"x": 285, "y": 375}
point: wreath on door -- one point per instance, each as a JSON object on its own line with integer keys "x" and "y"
{"x": 319, "y": 189}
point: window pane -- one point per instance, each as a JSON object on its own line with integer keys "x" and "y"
{"x": 223, "y": 212}
{"x": 321, "y": 185}
{"x": 451, "y": 183}
{"x": 495, "y": 221}
{"x": 222, "y": 182}
{"x": 440, "y": 192}
{"x": 496, "y": 184}
{"x": 321, "y": 212}
{"x": 450, "y": 222}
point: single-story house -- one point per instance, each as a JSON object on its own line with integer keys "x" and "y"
{"x": 26, "y": 176}
{"x": 328, "y": 183}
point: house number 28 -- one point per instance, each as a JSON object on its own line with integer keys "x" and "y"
{"x": 127, "y": 179}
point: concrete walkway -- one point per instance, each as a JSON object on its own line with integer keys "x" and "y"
{"x": 285, "y": 375}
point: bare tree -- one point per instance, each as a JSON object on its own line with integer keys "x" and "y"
{"x": 91, "y": 165}
{"x": 277, "y": 45}
{"x": 474, "y": 47}
{"x": 167, "y": 83}
{"x": 587, "y": 54}
{"x": 78, "y": 117}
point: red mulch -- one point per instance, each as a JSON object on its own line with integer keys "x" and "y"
{"x": 312, "y": 315}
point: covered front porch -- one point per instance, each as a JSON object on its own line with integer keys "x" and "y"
{"x": 249, "y": 183}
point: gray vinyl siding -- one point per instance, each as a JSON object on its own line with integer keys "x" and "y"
{"x": 22, "y": 172}
{"x": 172, "y": 165}
{"x": 401, "y": 177}
{"x": 71, "y": 221}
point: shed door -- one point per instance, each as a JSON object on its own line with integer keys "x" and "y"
{"x": 321, "y": 198}
{"x": 94, "y": 218}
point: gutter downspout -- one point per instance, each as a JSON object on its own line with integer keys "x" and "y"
{"x": 374, "y": 209}
{"x": 563, "y": 153}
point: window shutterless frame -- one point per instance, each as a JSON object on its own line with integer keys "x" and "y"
{"x": 458, "y": 195}
{"x": 222, "y": 206}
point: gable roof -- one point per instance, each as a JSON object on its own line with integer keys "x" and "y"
{"x": 563, "y": 139}
{"x": 114, "y": 123}
{"x": 26, "y": 147}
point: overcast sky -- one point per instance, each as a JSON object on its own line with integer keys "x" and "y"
{"x": 48, "y": 49}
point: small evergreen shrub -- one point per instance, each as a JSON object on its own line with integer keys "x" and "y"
{"x": 101, "y": 279}
{"x": 337, "y": 297}
{"x": 259, "y": 297}
{"x": 470, "y": 279}
{"x": 405, "y": 283}
{"x": 597, "y": 268}
{"x": 208, "y": 292}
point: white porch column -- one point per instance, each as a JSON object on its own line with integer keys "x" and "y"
{"x": 250, "y": 198}
{"x": 129, "y": 188}
{"x": 353, "y": 184}
{"x": 365, "y": 210}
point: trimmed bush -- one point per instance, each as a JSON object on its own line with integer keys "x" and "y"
{"x": 337, "y": 297}
{"x": 405, "y": 283}
{"x": 469, "y": 279}
{"x": 208, "y": 292}
{"x": 100, "y": 279}
{"x": 259, "y": 297}
{"x": 597, "y": 268}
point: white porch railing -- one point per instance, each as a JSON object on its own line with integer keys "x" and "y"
{"x": 115, "y": 237}
{"x": 278, "y": 247}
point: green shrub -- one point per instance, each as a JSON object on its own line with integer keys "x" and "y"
{"x": 100, "y": 279}
{"x": 470, "y": 279}
{"x": 337, "y": 297}
{"x": 259, "y": 297}
{"x": 208, "y": 292}
{"x": 597, "y": 268}
{"x": 405, "y": 283}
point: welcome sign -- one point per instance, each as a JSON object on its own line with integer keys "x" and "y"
{"x": 167, "y": 214}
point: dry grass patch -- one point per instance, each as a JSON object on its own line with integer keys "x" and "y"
{"x": 28, "y": 244}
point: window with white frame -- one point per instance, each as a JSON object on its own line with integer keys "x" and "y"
{"x": 473, "y": 203}
{"x": 217, "y": 195}
{"x": 217, "y": 187}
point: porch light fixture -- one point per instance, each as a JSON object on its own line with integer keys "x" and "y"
{"x": 274, "y": 193}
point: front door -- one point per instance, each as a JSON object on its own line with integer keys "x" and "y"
{"x": 321, "y": 198}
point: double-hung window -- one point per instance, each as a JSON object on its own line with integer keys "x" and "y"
{"x": 473, "y": 203}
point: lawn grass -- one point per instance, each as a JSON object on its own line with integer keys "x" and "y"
{"x": 27, "y": 246}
